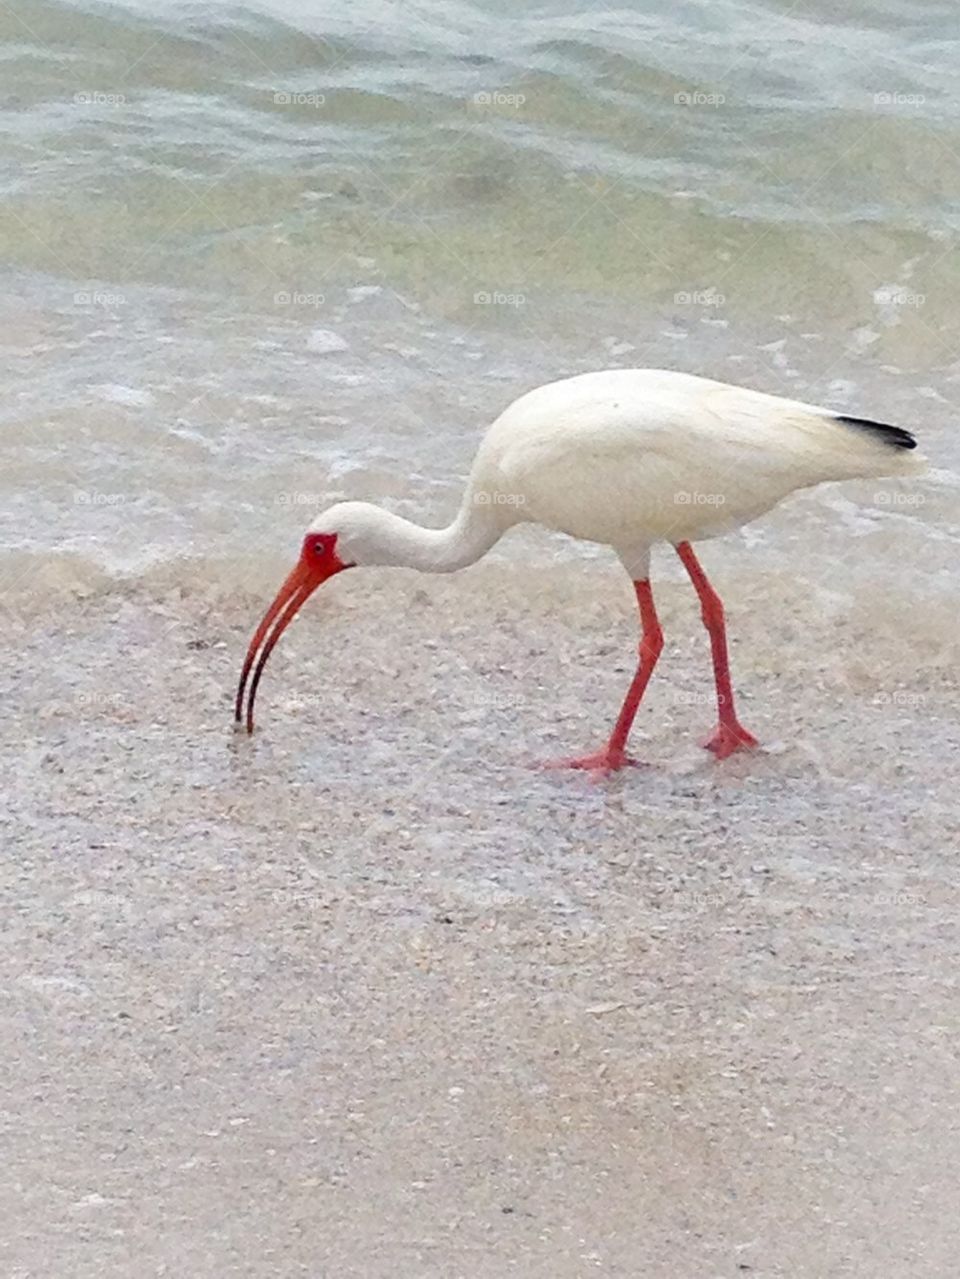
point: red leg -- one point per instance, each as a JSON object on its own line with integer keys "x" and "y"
{"x": 614, "y": 756}
{"x": 730, "y": 735}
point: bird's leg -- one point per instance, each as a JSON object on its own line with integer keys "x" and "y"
{"x": 614, "y": 756}
{"x": 730, "y": 735}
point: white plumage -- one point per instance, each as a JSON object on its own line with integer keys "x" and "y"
{"x": 606, "y": 456}
{"x": 626, "y": 457}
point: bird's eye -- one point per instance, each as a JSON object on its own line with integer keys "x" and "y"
{"x": 319, "y": 546}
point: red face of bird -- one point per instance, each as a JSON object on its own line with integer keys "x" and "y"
{"x": 318, "y": 561}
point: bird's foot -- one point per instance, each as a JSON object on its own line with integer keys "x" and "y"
{"x": 728, "y": 739}
{"x": 600, "y": 764}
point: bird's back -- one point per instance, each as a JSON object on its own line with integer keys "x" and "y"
{"x": 630, "y": 455}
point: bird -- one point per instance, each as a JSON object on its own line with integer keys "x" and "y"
{"x": 623, "y": 457}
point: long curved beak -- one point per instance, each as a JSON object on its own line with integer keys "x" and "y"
{"x": 292, "y": 595}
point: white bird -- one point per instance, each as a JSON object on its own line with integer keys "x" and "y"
{"x": 625, "y": 457}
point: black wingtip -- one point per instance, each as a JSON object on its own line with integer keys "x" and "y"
{"x": 895, "y": 436}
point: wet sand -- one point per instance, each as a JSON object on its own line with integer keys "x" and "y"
{"x": 367, "y": 995}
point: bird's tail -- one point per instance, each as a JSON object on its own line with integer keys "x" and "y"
{"x": 895, "y": 436}
{"x": 894, "y": 449}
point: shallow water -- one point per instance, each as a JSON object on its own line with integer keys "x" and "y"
{"x": 259, "y": 258}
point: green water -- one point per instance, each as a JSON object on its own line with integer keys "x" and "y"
{"x": 472, "y": 198}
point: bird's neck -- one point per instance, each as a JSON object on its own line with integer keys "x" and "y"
{"x": 403, "y": 544}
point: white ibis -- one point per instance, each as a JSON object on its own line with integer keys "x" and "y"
{"x": 625, "y": 457}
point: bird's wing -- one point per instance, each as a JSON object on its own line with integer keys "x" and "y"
{"x": 622, "y": 456}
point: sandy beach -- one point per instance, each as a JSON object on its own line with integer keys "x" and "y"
{"x": 368, "y": 995}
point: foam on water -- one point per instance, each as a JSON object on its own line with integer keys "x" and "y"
{"x": 241, "y": 287}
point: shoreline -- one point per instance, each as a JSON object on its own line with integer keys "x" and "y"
{"x": 367, "y": 991}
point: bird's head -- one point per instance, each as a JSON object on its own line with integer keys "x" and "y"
{"x": 348, "y": 535}
{"x": 334, "y": 541}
